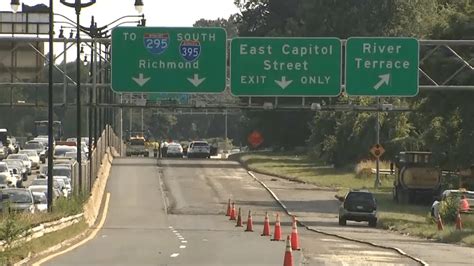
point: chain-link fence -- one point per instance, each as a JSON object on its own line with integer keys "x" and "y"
{"x": 83, "y": 184}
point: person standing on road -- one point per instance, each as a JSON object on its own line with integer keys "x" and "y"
{"x": 435, "y": 209}
{"x": 463, "y": 204}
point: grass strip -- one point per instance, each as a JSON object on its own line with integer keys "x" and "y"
{"x": 407, "y": 219}
{"x": 37, "y": 245}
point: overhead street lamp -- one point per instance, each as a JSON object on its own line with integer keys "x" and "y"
{"x": 139, "y": 6}
{"x": 78, "y": 6}
{"x": 15, "y": 4}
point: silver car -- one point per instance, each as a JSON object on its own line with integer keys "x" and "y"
{"x": 17, "y": 199}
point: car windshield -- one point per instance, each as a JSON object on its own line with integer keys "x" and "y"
{"x": 61, "y": 172}
{"x": 137, "y": 142}
{"x": 18, "y": 195}
{"x": 200, "y": 144}
{"x": 62, "y": 150}
{"x": 361, "y": 197}
{"x": 41, "y": 197}
{"x": 34, "y": 146}
{"x": 39, "y": 182}
{"x": 28, "y": 152}
{"x": 14, "y": 163}
{"x": 22, "y": 157}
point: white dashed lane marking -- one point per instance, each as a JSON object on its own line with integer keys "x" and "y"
{"x": 181, "y": 239}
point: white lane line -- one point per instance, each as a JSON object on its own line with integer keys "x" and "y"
{"x": 174, "y": 255}
{"x": 170, "y": 227}
{"x": 184, "y": 241}
{"x": 182, "y": 246}
{"x": 181, "y": 238}
{"x": 174, "y": 231}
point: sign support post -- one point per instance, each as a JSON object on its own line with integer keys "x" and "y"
{"x": 377, "y": 133}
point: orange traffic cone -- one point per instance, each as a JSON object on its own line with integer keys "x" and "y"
{"x": 266, "y": 226}
{"x": 295, "y": 243}
{"x": 288, "y": 260}
{"x": 458, "y": 222}
{"x": 228, "y": 209}
{"x": 277, "y": 232}
{"x": 249, "y": 223}
{"x": 232, "y": 212}
{"x": 440, "y": 224}
{"x": 239, "y": 220}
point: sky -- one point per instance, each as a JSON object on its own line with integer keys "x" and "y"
{"x": 171, "y": 13}
{"x": 159, "y": 13}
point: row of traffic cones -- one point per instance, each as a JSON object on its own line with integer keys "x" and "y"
{"x": 292, "y": 241}
{"x": 458, "y": 222}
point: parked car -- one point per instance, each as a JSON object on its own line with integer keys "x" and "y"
{"x": 174, "y": 150}
{"x": 19, "y": 199}
{"x": 24, "y": 158}
{"x": 33, "y": 156}
{"x": 199, "y": 149}
{"x": 358, "y": 206}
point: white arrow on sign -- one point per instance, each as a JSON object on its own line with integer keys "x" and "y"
{"x": 283, "y": 83}
{"x": 141, "y": 80}
{"x": 196, "y": 81}
{"x": 384, "y": 79}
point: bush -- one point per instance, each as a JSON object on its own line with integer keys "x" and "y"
{"x": 449, "y": 209}
{"x": 69, "y": 206}
{"x": 12, "y": 229}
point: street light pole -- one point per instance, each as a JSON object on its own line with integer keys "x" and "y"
{"x": 78, "y": 6}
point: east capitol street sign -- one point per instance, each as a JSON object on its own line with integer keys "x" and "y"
{"x": 285, "y": 66}
{"x": 158, "y": 59}
{"x": 382, "y": 66}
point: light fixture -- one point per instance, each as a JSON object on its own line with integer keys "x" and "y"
{"x": 139, "y": 6}
{"x": 15, "y": 4}
{"x": 82, "y": 49}
{"x": 61, "y": 33}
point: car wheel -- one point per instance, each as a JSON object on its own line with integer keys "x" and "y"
{"x": 373, "y": 223}
{"x": 342, "y": 221}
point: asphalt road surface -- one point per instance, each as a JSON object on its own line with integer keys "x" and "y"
{"x": 171, "y": 212}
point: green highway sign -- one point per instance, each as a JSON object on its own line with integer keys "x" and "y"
{"x": 156, "y": 59}
{"x": 285, "y": 66}
{"x": 382, "y": 66}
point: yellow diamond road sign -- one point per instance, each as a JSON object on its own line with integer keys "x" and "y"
{"x": 377, "y": 150}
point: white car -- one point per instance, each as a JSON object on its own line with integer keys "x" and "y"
{"x": 41, "y": 202}
{"x": 33, "y": 156}
{"x": 199, "y": 149}
{"x": 10, "y": 178}
{"x": 67, "y": 190}
{"x": 174, "y": 150}
{"x": 24, "y": 158}
{"x": 60, "y": 150}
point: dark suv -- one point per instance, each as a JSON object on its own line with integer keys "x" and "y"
{"x": 358, "y": 206}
